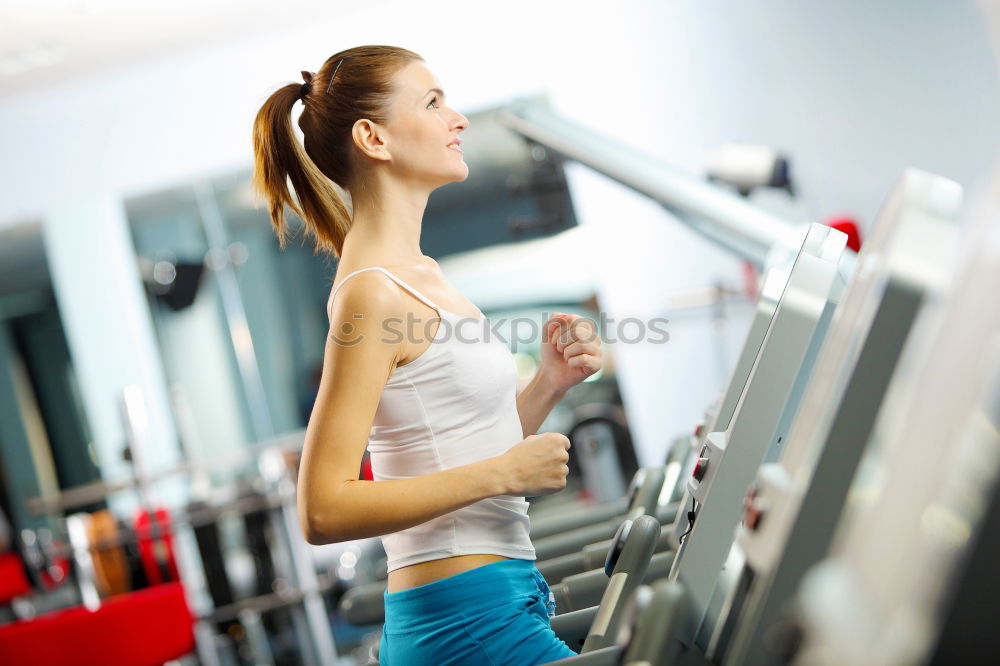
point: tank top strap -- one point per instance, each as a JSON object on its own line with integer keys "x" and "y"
{"x": 395, "y": 279}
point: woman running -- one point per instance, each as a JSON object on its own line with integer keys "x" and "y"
{"x": 412, "y": 371}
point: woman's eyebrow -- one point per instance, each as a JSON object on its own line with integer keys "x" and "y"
{"x": 434, "y": 90}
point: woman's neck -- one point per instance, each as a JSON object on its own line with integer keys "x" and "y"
{"x": 387, "y": 221}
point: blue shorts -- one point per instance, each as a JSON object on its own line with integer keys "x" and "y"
{"x": 494, "y": 615}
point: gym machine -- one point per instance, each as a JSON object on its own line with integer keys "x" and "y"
{"x": 727, "y": 462}
{"x": 782, "y": 365}
{"x": 791, "y": 510}
{"x": 773, "y": 382}
{"x": 911, "y": 575}
{"x": 676, "y": 592}
{"x": 906, "y": 260}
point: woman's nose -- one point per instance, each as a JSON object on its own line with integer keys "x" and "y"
{"x": 461, "y": 122}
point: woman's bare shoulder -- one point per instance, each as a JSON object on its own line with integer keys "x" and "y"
{"x": 369, "y": 293}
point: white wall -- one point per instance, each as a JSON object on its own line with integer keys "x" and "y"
{"x": 853, "y": 90}
{"x": 850, "y": 89}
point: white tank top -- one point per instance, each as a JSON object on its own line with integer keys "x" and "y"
{"x": 452, "y": 405}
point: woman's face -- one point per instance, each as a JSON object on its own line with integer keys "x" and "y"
{"x": 422, "y": 130}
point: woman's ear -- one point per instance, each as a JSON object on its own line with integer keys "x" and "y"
{"x": 370, "y": 139}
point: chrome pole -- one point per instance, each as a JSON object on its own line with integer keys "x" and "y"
{"x": 722, "y": 217}
{"x": 236, "y": 316}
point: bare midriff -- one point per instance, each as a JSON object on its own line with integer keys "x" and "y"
{"x": 435, "y": 570}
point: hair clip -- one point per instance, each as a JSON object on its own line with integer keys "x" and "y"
{"x": 332, "y": 76}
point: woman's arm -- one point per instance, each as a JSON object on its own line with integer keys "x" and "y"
{"x": 571, "y": 352}
{"x": 535, "y": 402}
{"x": 352, "y": 509}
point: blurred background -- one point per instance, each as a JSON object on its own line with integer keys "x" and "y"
{"x": 159, "y": 354}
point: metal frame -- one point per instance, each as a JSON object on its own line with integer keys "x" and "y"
{"x": 798, "y": 500}
{"x": 724, "y": 218}
{"x": 912, "y": 543}
{"x": 762, "y": 418}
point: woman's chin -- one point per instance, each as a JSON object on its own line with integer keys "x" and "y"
{"x": 454, "y": 175}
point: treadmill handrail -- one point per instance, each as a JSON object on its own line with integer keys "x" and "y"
{"x": 717, "y": 214}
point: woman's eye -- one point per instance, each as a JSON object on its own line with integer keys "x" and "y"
{"x": 433, "y": 102}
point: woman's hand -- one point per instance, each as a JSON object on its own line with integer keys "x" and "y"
{"x": 536, "y": 466}
{"x": 571, "y": 350}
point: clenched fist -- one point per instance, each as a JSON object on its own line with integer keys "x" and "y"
{"x": 536, "y": 465}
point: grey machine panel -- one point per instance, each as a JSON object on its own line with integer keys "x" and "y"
{"x": 797, "y": 500}
{"x": 763, "y": 414}
{"x": 718, "y": 416}
{"x": 913, "y": 542}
